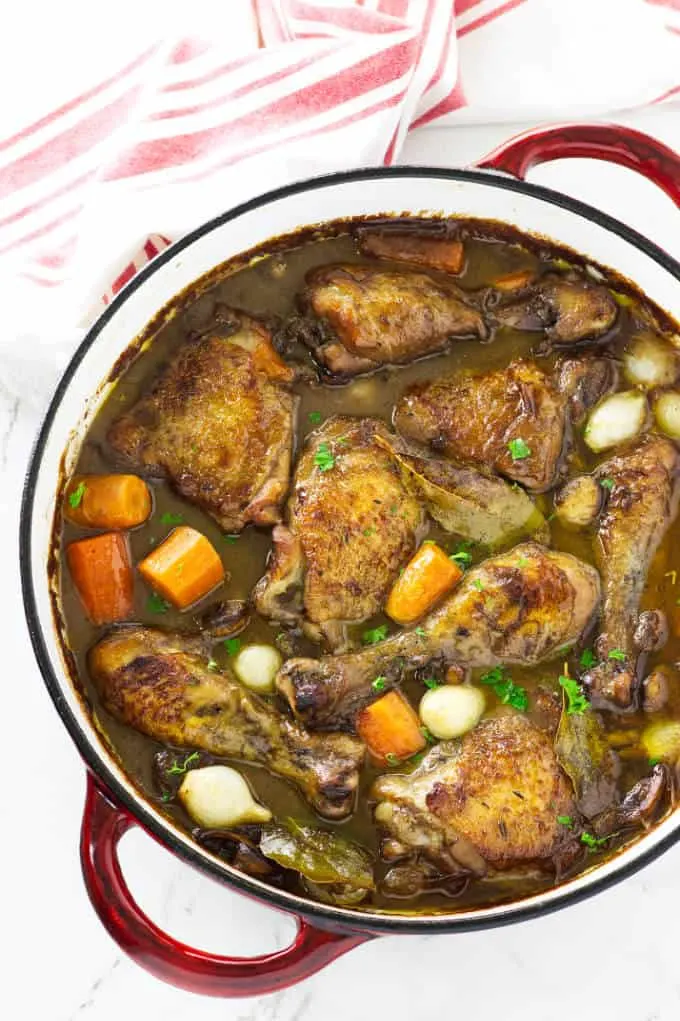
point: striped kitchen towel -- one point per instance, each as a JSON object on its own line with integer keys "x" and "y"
{"x": 123, "y": 134}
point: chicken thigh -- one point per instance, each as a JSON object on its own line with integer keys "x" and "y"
{"x": 488, "y": 802}
{"x": 642, "y": 504}
{"x": 377, "y": 317}
{"x": 351, "y": 525}
{"x": 218, "y": 423}
{"x": 513, "y": 420}
{"x": 160, "y": 684}
{"x": 522, "y": 606}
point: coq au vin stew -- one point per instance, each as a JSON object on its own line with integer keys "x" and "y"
{"x": 368, "y": 564}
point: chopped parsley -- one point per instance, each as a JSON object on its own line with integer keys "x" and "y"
{"x": 505, "y": 688}
{"x": 230, "y": 538}
{"x": 565, "y": 820}
{"x": 379, "y": 684}
{"x": 461, "y": 555}
{"x": 156, "y": 604}
{"x": 607, "y": 484}
{"x": 369, "y": 531}
{"x": 171, "y": 519}
{"x": 323, "y": 458}
{"x": 76, "y": 497}
{"x": 478, "y": 584}
{"x": 431, "y": 682}
{"x": 587, "y": 659}
{"x": 518, "y": 449}
{"x": 654, "y": 762}
{"x": 593, "y": 843}
{"x": 232, "y": 645}
{"x": 213, "y": 664}
{"x": 522, "y": 562}
{"x": 373, "y": 635}
{"x": 177, "y": 768}
{"x": 391, "y": 759}
{"x": 315, "y": 417}
{"x": 420, "y": 631}
{"x": 576, "y": 700}
{"x": 428, "y": 735}
{"x": 617, "y": 654}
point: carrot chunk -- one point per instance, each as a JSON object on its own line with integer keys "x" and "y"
{"x": 390, "y": 729}
{"x": 184, "y": 568}
{"x": 102, "y": 573}
{"x": 516, "y": 281}
{"x": 107, "y": 501}
{"x": 429, "y": 575}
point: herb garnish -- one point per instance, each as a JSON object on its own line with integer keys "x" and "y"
{"x": 230, "y": 538}
{"x": 654, "y": 762}
{"x": 76, "y": 497}
{"x": 587, "y": 659}
{"x": 432, "y": 682}
{"x": 156, "y": 604}
{"x": 391, "y": 759}
{"x": 428, "y": 735}
{"x": 213, "y": 664}
{"x": 420, "y": 631}
{"x": 478, "y": 584}
{"x": 369, "y": 531}
{"x": 618, "y": 654}
{"x": 315, "y": 417}
{"x": 576, "y": 700}
{"x": 565, "y": 820}
{"x": 171, "y": 519}
{"x": 323, "y": 458}
{"x": 522, "y": 562}
{"x": 232, "y": 645}
{"x": 518, "y": 449}
{"x": 373, "y": 635}
{"x": 607, "y": 484}
{"x": 379, "y": 684}
{"x": 461, "y": 555}
{"x": 591, "y": 842}
{"x": 505, "y": 688}
{"x": 176, "y": 769}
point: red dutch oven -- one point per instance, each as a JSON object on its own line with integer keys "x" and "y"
{"x": 494, "y": 189}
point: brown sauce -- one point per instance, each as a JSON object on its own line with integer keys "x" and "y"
{"x": 267, "y": 288}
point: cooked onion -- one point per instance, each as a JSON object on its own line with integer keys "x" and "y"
{"x": 667, "y": 413}
{"x": 217, "y": 796}
{"x": 451, "y": 710}
{"x": 256, "y": 666}
{"x": 650, "y": 362}
{"x": 661, "y": 739}
{"x": 578, "y": 502}
{"x": 616, "y": 419}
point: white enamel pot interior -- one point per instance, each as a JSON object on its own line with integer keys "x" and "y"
{"x": 362, "y": 193}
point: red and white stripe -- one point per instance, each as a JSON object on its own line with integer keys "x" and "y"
{"x": 326, "y": 73}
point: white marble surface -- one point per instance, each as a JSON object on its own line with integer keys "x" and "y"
{"x": 613, "y": 958}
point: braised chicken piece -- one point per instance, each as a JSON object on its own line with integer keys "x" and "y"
{"x": 569, "y": 311}
{"x": 513, "y": 421}
{"x": 379, "y": 317}
{"x": 351, "y": 525}
{"x": 487, "y": 802}
{"x": 522, "y": 606}
{"x": 435, "y": 252}
{"x": 159, "y": 683}
{"x": 642, "y": 504}
{"x": 218, "y": 423}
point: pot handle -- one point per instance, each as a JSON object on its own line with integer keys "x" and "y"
{"x": 609, "y": 142}
{"x": 197, "y": 971}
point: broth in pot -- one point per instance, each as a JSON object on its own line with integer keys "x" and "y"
{"x": 367, "y": 564}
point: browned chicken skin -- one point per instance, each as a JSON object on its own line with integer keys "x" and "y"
{"x": 569, "y": 311}
{"x": 488, "y": 802}
{"x": 643, "y": 502}
{"x": 218, "y": 422}
{"x": 514, "y": 421}
{"x": 160, "y": 684}
{"x": 519, "y": 607}
{"x": 377, "y": 317}
{"x": 350, "y": 528}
